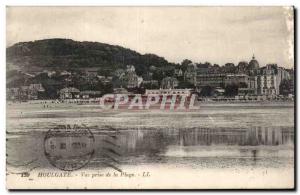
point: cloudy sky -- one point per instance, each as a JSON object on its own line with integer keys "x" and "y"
{"x": 214, "y": 34}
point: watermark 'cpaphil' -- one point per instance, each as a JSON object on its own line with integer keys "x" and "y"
{"x": 145, "y": 102}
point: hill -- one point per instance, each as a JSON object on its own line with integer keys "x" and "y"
{"x": 67, "y": 54}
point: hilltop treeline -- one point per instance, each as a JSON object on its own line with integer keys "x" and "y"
{"x": 68, "y": 54}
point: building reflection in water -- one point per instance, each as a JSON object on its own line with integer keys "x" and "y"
{"x": 154, "y": 145}
{"x": 253, "y": 136}
{"x": 150, "y": 142}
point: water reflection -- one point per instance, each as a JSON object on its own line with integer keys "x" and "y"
{"x": 139, "y": 140}
{"x": 164, "y": 145}
{"x": 199, "y": 147}
{"x": 237, "y": 136}
{"x": 246, "y": 137}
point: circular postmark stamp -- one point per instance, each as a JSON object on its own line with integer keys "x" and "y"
{"x": 68, "y": 147}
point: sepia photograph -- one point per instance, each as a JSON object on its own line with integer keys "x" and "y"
{"x": 150, "y": 97}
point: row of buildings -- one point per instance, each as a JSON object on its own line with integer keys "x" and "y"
{"x": 36, "y": 91}
{"x": 253, "y": 79}
{"x": 129, "y": 79}
{"x": 32, "y": 92}
{"x": 250, "y": 77}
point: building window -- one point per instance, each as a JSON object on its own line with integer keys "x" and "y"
{"x": 63, "y": 146}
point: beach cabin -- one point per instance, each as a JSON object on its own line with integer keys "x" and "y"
{"x": 90, "y": 94}
{"x": 69, "y": 93}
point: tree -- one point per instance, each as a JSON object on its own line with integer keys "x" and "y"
{"x": 229, "y": 68}
{"x": 107, "y": 88}
{"x": 243, "y": 85}
{"x": 206, "y": 91}
{"x": 285, "y": 87}
{"x": 185, "y": 85}
{"x": 149, "y": 86}
{"x": 104, "y": 72}
{"x": 158, "y": 75}
{"x": 169, "y": 72}
{"x": 231, "y": 90}
{"x": 51, "y": 91}
{"x": 184, "y": 64}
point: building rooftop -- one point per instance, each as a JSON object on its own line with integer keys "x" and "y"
{"x": 69, "y": 90}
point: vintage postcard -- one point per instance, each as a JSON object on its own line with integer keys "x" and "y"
{"x": 150, "y": 97}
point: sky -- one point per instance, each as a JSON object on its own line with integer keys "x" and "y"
{"x": 201, "y": 34}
